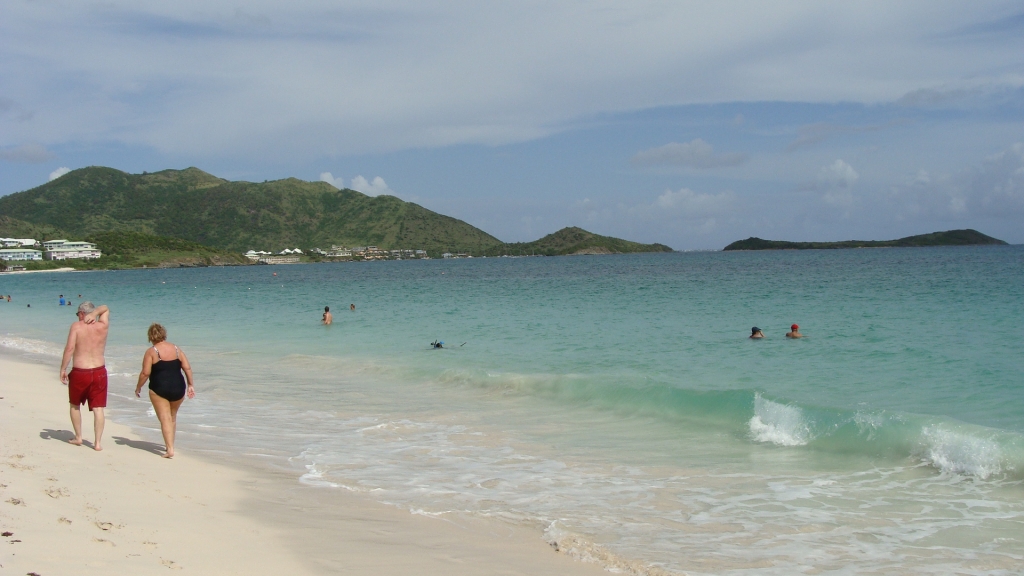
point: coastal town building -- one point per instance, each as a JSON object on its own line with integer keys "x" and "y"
{"x": 18, "y": 242}
{"x": 14, "y": 254}
{"x": 67, "y": 250}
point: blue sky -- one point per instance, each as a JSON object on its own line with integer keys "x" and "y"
{"x": 677, "y": 122}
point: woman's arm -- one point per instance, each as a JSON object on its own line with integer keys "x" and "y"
{"x": 187, "y": 368}
{"x": 147, "y": 367}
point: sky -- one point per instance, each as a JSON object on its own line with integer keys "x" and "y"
{"x": 688, "y": 123}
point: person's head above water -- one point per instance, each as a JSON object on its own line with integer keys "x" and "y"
{"x": 754, "y": 330}
{"x": 794, "y": 327}
{"x": 327, "y": 308}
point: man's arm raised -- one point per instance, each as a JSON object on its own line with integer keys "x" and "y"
{"x": 100, "y": 314}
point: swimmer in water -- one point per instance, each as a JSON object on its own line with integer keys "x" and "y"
{"x": 437, "y": 344}
{"x": 756, "y": 333}
{"x": 327, "y": 316}
{"x": 352, "y": 307}
{"x": 794, "y": 332}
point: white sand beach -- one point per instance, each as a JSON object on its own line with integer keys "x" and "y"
{"x": 125, "y": 510}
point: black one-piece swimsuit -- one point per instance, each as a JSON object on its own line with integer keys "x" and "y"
{"x": 166, "y": 379}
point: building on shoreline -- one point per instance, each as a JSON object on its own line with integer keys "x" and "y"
{"x": 66, "y": 250}
{"x": 17, "y": 254}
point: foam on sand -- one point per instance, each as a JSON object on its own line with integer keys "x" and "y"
{"x": 126, "y": 511}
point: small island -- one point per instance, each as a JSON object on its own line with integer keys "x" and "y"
{"x": 947, "y": 238}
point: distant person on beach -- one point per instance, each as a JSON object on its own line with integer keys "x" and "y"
{"x": 352, "y": 307}
{"x": 794, "y": 332}
{"x": 756, "y": 333}
{"x": 87, "y": 381}
{"x": 327, "y": 316}
{"x": 61, "y": 299}
{"x": 162, "y": 365}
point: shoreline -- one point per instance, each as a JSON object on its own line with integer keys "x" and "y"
{"x": 38, "y": 271}
{"x": 126, "y": 510}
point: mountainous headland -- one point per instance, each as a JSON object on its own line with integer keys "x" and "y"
{"x": 947, "y": 238}
{"x": 133, "y": 218}
{"x": 574, "y": 241}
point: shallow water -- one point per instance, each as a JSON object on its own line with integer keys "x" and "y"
{"x": 615, "y": 401}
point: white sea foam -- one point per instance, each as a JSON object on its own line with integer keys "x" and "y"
{"x": 779, "y": 424}
{"x": 579, "y": 548}
{"x": 30, "y": 345}
{"x": 962, "y": 452}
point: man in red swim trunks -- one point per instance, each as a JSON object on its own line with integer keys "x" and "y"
{"x": 87, "y": 381}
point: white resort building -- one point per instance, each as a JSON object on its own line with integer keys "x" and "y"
{"x": 18, "y": 242}
{"x": 11, "y": 254}
{"x": 65, "y": 250}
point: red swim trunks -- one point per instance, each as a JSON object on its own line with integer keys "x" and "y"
{"x": 88, "y": 384}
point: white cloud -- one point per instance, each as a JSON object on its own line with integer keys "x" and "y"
{"x": 835, "y": 182}
{"x": 694, "y": 154}
{"x": 27, "y": 153}
{"x": 994, "y": 188}
{"x": 693, "y": 213}
{"x": 201, "y": 77}
{"x": 374, "y": 187}
{"x": 59, "y": 172}
{"x": 839, "y": 174}
{"x": 338, "y": 183}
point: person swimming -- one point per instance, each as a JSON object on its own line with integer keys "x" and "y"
{"x": 755, "y": 333}
{"x": 437, "y": 344}
{"x": 328, "y": 318}
{"x": 794, "y": 332}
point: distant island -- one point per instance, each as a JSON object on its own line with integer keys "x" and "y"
{"x": 192, "y": 218}
{"x": 947, "y": 238}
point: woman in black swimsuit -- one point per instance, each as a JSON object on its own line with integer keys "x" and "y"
{"x": 162, "y": 365}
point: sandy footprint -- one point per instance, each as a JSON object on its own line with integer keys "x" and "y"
{"x": 102, "y": 541}
{"x": 54, "y": 492}
{"x": 16, "y": 501}
{"x": 149, "y": 544}
{"x": 170, "y": 564}
{"x": 63, "y": 520}
{"x": 104, "y": 525}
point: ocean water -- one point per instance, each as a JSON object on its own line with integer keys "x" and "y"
{"x": 615, "y": 402}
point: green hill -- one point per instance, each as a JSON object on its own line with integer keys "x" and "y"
{"x": 14, "y": 228}
{"x": 193, "y": 205}
{"x": 123, "y": 249}
{"x": 574, "y": 241}
{"x": 948, "y": 238}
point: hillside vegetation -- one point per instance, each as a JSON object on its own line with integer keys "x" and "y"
{"x": 122, "y": 250}
{"x": 14, "y": 228}
{"x": 193, "y": 205}
{"x": 574, "y": 241}
{"x": 947, "y": 238}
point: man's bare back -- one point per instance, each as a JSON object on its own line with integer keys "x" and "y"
{"x": 87, "y": 381}
{"x": 87, "y": 341}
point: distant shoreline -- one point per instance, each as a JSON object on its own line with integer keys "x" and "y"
{"x": 948, "y": 238}
{"x": 36, "y": 271}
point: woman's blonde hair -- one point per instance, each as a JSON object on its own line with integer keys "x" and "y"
{"x": 157, "y": 333}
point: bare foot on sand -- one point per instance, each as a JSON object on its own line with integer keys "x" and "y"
{"x": 167, "y": 455}
{"x": 75, "y": 441}
{"x": 97, "y": 447}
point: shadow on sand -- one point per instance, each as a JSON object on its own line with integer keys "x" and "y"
{"x": 61, "y": 435}
{"x": 151, "y": 447}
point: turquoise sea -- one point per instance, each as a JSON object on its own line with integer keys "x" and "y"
{"x": 613, "y": 402}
